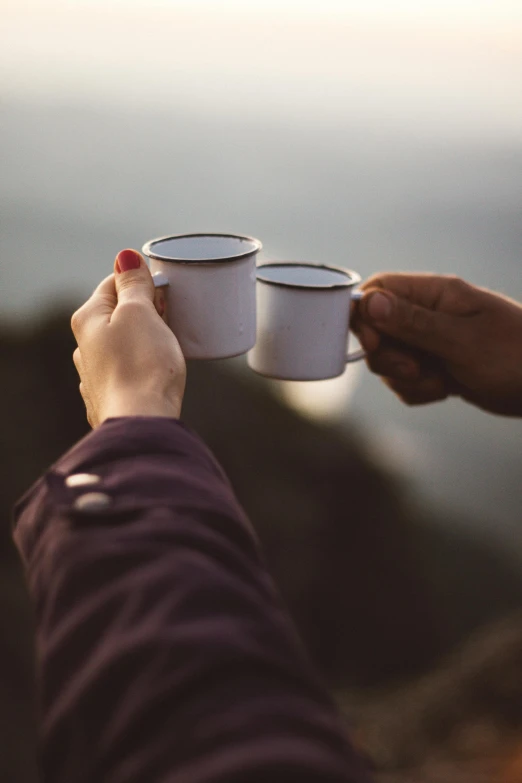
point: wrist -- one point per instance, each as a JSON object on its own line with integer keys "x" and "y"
{"x": 127, "y": 404}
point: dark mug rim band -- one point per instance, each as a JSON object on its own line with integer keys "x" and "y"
{"x": 352, "y": 278}
{"x": 148, "y": 250}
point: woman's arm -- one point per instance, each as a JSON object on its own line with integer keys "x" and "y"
{"x": 164, "y": 651}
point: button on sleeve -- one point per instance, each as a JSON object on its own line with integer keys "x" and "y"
{"x": 82, "y": 480}
{"x": 92, "y": 501}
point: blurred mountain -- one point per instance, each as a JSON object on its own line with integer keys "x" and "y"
{"x": 378, "y": 589}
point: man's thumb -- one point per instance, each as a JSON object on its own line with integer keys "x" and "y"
{"x": 132, "y": 277}
{"x": 414, "y": 325}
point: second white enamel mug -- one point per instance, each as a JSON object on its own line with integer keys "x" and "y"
{"x": 303, "y": 321}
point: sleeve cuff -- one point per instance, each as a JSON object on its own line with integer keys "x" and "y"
{"x": 131, "y": 464}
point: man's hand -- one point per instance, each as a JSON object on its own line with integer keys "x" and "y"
{"x": 432, "y": 336}
{"x": 129, "y": 362}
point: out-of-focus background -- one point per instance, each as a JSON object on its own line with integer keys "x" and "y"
{"x": 370, "y": 134}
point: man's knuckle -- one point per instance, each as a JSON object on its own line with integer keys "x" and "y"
{"x": 375, "y": 281}
{"x": 458, "y": 286}
{"x": 458, "y": 295}
{"x": 418, "y": 320}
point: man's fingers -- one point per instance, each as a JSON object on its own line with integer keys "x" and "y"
{"x": 98, "y": 308}
{"x": 369, "y": 337}
{"x": 431, "y": 312}
{"x": 430, "y": 330}
{"x": 444, "y": 293}
{"x": 414, "y": 376}
{"x": 394, "y": 363}
{"x": 428, "y": 389}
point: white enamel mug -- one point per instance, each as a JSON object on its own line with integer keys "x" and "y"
{"x": 303, "y": 320}
{"x": 211, "y": 291}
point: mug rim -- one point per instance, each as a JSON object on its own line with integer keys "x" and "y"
{"x": 147, "y": 248}
{"x": 352, "y": 277}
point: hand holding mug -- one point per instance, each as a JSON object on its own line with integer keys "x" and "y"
{"x": 432, "y": 336}
{"x": 129, "y": 361}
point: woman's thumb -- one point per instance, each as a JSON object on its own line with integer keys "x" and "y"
{"x": 132, "y": 277}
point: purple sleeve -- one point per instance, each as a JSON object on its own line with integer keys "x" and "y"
{"x": 164, "y": 652}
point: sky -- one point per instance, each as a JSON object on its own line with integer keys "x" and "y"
{"x": 387, "y": 59}
{"x": 494, "y": 8}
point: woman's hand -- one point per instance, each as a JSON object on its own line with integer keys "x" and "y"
{"x": 130, "y": 363}
{"x": 431, "y": 336}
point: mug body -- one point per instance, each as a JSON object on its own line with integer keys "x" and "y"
{"x": 211, "y": 296}
{"x": 303, "y": 314}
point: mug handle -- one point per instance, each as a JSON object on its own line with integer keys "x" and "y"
{"x": 356, "y": 356}
{"x": 159, "y": 279}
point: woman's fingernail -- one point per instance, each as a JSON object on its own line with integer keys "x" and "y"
{"x": 127, "y": 259}
{"x": 379, "y": 307}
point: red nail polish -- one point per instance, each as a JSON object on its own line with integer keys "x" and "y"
{"x": 127, "y": 259}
